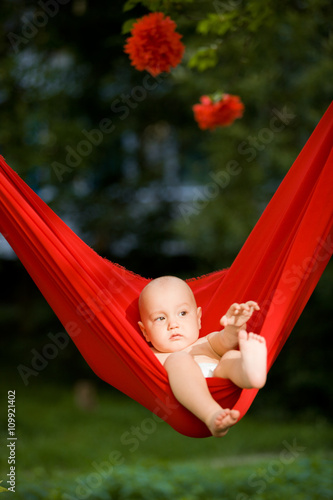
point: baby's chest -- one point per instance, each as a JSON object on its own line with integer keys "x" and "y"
{"x": 202, "y": 351}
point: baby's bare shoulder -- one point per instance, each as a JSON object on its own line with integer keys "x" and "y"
{"x": 161, "y": 356}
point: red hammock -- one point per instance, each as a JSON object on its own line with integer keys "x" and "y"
{"x": 96, "y": 300}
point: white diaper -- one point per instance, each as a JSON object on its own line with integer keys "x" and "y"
{"x": 208, "y": 369}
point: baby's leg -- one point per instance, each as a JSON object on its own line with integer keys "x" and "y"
{"x": 247, "y": 367}
{"x": 190, "y": 389}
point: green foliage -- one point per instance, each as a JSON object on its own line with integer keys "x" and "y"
{"x": 156, "y": 5}
{"x": 307, "y": 478}
{"x": 2, "y": 489}
{"x": 130, "y": 4}
{"x": 70, "y": 447}
{"x": 204, "y": 58}
{"x": 217, "y": 24}
{"x": 127, "y": 26}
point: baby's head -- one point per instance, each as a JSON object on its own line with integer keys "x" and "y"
{"x": 170, "y": 318}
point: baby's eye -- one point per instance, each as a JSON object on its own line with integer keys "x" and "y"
{"x": 183, "y": 313}
{"x": 160, "y": 318}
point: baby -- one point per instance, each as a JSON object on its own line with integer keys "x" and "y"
{"x": 171, "y": 320}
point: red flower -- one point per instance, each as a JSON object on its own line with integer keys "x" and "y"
{"x": 154, "y": 45}
{"x": 210, "y": 114}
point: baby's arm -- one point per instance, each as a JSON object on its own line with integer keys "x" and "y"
{"x": 233, "y": 321}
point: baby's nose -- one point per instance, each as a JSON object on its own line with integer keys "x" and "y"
{"x": 173, "y": 323}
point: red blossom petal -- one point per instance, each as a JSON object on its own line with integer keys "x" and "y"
{"x": 210, "y": 115}
{"x": 154, "y": 45}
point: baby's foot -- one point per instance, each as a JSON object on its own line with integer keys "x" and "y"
{"x": 221, "y": 421}
{"x": 254, "y": 359}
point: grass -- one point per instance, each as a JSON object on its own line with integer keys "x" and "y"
{"x": 59, "y": 443}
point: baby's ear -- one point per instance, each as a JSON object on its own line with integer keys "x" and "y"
{"x": 143, "y": 330}
{"x": 199, "y": 314}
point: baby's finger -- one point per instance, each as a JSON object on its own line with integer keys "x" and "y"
{"x": 224, "y": 321}
{"x": 253, "y": 304}
{"x": 244, "y": 307}
{"x": 235, "y": 308}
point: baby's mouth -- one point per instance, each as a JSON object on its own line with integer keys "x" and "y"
{"x": 176, "y": 336}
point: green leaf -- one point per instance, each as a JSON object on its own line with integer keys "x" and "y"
{"x": 205, "y": 57}
{"x": 154, "y": 5}
{"x": 127, "y": 26}
{"x": 130, "y": 4}
{"x": 218, "y": 24}
{"x": 2, "y": 489}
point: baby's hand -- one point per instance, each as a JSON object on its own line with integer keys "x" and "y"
{"x": 238, "y": 314}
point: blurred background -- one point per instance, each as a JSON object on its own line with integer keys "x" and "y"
{"x": 138, "y": 196}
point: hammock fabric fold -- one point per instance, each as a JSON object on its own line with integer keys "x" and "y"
{"x": 96, "y": 300}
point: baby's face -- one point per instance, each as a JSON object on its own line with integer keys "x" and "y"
{"x": 170, "y": 318}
